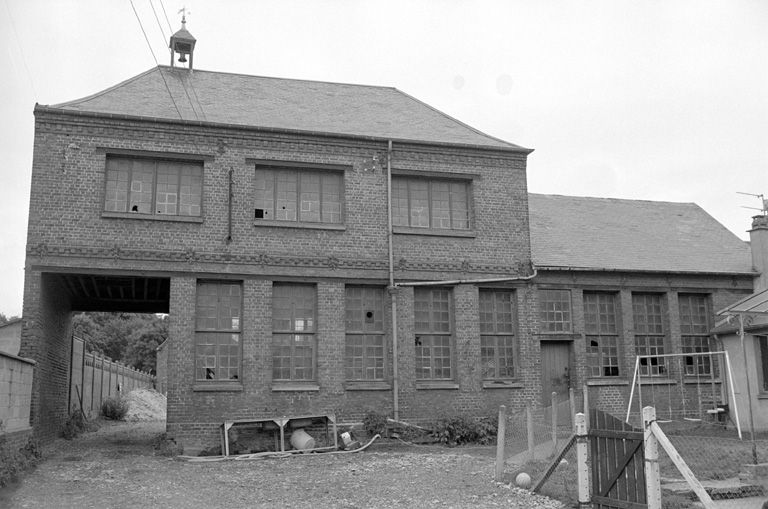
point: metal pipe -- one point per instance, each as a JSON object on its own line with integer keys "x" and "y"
{"x": 392, "y": 288}
{"x": 749, "y": 390}
{"x": 229, "y": 231}
{"x": 471, "y": 281}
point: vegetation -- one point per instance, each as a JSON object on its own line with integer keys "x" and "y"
{"x": 114, "y": 408}
{"x": 74, "y": 425}
{"x": 374, "y": 423}
{"x": 463, "y": 429}
{"x": 5, "y": 319}
{"x": 166, "y": 446}
{"x": 14, "y": 462}
{"x": 126, "y": 337}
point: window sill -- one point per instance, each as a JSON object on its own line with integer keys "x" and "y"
{"x": 435, "y": 232}
{"x": 296, "y": 224}
{"x": 593, "y": 382}
{"x": 762, "y": 395}
{"x": 502, "y": 384}
{"x": 648, "y": 380}
{"x": 217, "y": 387}
{"x": 151, "y": 217}
{"x": 367, "y": 386}
{"x": 295, "y": 387}
{"x": 702, "y": 379}
{"x": 436, "y": 384}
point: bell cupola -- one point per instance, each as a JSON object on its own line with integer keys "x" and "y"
{"x": 182, "y": 44}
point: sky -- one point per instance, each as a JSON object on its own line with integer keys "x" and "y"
{"x": 642, "y": 99}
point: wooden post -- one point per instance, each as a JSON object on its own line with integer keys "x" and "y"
{"x": 529, "y": 429}
{"x": 651, "y": 448}
{"x": 554, "y": 423}
{"x": 586, "y": 405}
{"x": 500, "y": 442}
{"x": 582, "y": 468}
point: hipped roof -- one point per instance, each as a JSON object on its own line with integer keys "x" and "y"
{"x": 580, "y": 233}
{"x": 285, "y": 104}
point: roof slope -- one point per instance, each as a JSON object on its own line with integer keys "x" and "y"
{"x": 298, "y": 105}
{"x": 631, "y": 235}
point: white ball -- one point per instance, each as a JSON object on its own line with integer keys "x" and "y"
{"x": 523, "y": 480}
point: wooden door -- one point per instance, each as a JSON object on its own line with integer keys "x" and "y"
{"x": 555, "y": 370}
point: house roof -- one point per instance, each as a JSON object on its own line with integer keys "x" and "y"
{"x": 579, "y": 233}
{"x": 285, "y": 104}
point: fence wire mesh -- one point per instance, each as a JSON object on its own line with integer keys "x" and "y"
{"x": 533, "y": 440}
{"x": 727, "y": 467}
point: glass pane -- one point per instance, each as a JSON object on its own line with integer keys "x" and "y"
{"x": 419, "y": 203}
{"x": 264, "y": 204}
{"x": 190, "y": 190}
{"x": 118, "y": 176}
{"x": 286, "y": 195}
{"x": 331, "y": 193}
{"x": 167, "y": 195}
{"x": 400, "y": 202}
{"x": 142, "y": 183}
{"x": 441, "y": 214}
{"x": 309, "y": 184}
{"x": 459, "y": 206}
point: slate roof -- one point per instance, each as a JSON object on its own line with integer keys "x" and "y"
{"x": 283, "y": 104}
{"x": 631, "y": 235}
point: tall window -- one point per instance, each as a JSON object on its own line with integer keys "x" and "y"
{"x": 217, "y": 331}
{"x": 423, "y": 203}
{"x": 601, "y": 334}
{"x": 364, "y": 348}
{"x": 648, "y": 313}
{"x": 762, "y": 362}
{"x": 497, "y": 333}
{"x": 299, "y": 195}
{"x": 157, "y": 187}
{"x": 694, "y": 329}
{"x": 293, "y": 332}
{"x": 432, "y": 323}
{"x": 555, "y": 310}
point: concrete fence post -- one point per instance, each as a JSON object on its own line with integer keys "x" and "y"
{"x": 651, "y": 448}
{"x": 500, "y": 442}
{"x": 529, "y": 429}
{"x": 572, "y": 405}
{"x": 554, "y": 423}
{"x": 585, "y": 392}
{"x": 582, "y": 466}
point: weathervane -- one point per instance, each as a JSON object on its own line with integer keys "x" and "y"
{"x": 763, "y": 202}
{"x": 184, "y": 11}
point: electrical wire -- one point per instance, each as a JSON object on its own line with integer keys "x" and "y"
{"x": 21, "y": 50}
{"x": 158, "y": 20}
{"x": 156, "y": 62}
{"x": 170, "y": 30}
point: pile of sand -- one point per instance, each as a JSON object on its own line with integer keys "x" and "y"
{"x": 145, "y": 405}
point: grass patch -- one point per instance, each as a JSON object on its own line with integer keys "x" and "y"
{"x": 15, "y": 461}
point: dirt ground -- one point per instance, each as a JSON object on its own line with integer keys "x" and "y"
{"x": 116, "y": 467}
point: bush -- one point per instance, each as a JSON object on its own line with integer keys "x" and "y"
{"x": 166, "y": 446}
{"x": 374, "y": 423}
{"x": 74, "y": 425}
{"x": 14, "y": 462}
{"x": 463, "y": 429}
{"x": 114, "y": 408}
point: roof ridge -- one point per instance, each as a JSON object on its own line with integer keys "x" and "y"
{"x": 106, "y": 90}
{"x": 305, "y": 80}
{"x": 608, "y": 198}
{"x": 473, "y": 129}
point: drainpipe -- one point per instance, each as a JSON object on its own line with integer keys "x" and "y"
{"x": 392, "y": 288}
{"x": 749, "y": 390}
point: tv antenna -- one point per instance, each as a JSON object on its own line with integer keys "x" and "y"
{"x": 763, "y": 202}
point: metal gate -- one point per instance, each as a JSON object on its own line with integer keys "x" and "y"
{"x": 618, "y": 462}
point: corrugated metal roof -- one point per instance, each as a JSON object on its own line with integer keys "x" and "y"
{"x": 277, "y": 103}
{"x": 757, "y": 303}
{"x": 632, "y": 235}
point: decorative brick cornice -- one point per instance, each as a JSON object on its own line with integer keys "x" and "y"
{"x": 190, "y": 256}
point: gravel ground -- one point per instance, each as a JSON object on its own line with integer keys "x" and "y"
{"x": 115, "y": 467}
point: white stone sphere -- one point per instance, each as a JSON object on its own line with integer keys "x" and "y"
{"x": 523, "y": 480}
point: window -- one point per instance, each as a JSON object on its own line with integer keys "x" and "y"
{"x": 293, "y": 332}
{"x": 555, "y": 310}
{"x": 423, "y": 203}
{"x": 432, "y": 324}
{"x": 364, "y": 348}
{"x": 497, "y": 333}
{"x": 217, "y": 331}
{"x": 298, "y": 195}
{"x": 647, "y": 310}
{"x": 694, "y": 329}
{"x": 153, "y": 187}
{"x": 762, "y": 362}
{"x": 600, "y": 327}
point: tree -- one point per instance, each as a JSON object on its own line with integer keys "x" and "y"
{"x": 126, "y": 337}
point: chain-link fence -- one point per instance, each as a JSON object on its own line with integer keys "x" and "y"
{"x": 727, "y": 467}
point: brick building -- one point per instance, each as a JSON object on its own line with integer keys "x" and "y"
{"x": 255, "y": 212}
{"x": 325, "y": 247}
{"x": 620, "y": 278}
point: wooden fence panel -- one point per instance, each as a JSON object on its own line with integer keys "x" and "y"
{"x": 618, "y": 477}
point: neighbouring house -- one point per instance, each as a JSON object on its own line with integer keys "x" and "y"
{"x": 621, "y": 278}
{"x": 743, "y": 331}
{"x": 333, "y": 248}
{"x": 10, "y": 336}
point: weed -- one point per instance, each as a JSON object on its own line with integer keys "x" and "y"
{"x": 74, "y": 425}
{"x": 167, "y": 446}
{"x": 374, "y": 423}
{"x": 114, "y": 408}
{"x": 14, "y": 462}
{"x": 462, "y": 429}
